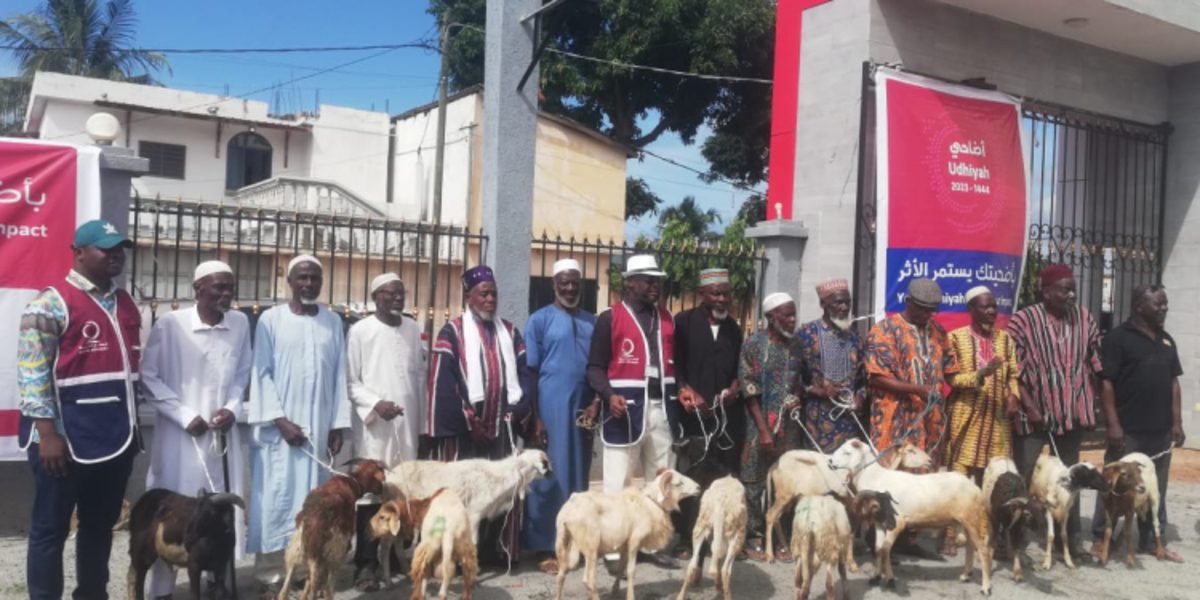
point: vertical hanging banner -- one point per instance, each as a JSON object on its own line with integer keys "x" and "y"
{"x": 952, "y": 193}
{"x": 46, "y": 191}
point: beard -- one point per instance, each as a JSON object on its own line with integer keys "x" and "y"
{"x": 396, "y": 311}
{"x": 484, "y": 316}
{"x": 787, "y": 335}
{"x": 720, "y": 315}
{"x": 308, "y": 301}
{"x": 842, "y": 324}
{"x": 563, "y": 300}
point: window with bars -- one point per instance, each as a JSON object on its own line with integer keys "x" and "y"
{"x": 166, "y": 160}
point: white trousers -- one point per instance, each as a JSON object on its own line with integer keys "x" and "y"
{"x": 644, "y": 458}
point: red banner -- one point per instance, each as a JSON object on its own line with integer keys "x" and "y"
{"x": 46, "y": 191}
{"x": 952, "y": 193}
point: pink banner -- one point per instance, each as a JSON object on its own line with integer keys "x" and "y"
{"x": 952, "y": 193}
{"x": 46, "y": 190}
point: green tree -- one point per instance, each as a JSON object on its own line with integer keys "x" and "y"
{"x": 689, "y": 220}
{"x": 636, "y": 107}
{"x": 639, "y": 199}
{"x": 81, "y": 37}
{"x": 753, "y": 210}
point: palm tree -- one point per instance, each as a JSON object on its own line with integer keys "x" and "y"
{"x": 81, "y": 37}
{"x": 695, "y": 221}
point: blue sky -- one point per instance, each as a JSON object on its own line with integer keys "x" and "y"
{"x": 395, "y": 81}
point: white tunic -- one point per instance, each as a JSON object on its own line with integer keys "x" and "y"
{"x": 384, "y": 363}
{"x": 190, "y": 370}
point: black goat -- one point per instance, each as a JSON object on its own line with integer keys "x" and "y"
{"x": 1011, "y": 509}
{"x": 193, "y": 533}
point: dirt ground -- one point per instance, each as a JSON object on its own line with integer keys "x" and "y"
{"x": 916, "y": 578}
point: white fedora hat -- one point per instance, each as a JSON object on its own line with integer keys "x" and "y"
{"x": 642, "y": 264}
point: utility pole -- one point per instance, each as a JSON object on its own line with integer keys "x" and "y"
{"x": 438, "y": 169}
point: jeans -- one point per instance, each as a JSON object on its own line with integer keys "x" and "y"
{"x": 1148, "y": 443}
{"x": 1027, "y": 449}
{"x": 95, "y": 491}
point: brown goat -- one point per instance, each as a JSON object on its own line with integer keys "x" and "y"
{"x": 1124, "y": 480}
{"x": 397, "y": 521}
{"x": 325, "y": 527}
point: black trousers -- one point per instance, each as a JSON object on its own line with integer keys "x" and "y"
{"x": 1027, "y": 449}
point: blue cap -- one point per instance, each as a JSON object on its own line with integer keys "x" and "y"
{"x": 101, "y": 234}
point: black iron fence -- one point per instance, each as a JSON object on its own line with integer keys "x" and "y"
{"x": 603, "y": 262}
{"x": 1096, "y": 194}
{"x": 172, "y": 237}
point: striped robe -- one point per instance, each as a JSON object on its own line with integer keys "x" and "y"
{"x": 1059, "y": 364}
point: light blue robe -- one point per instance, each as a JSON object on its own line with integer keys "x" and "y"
{"x": 556, "y": 346}
{"x": 299, "y": 373}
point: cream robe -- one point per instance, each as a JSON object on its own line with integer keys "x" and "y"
{"x": 385, "y": 363}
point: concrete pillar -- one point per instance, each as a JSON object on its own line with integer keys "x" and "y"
{"x": 509, "y": 139}
{"x": 783, "y": 242}
{"x": 118, "y": 167}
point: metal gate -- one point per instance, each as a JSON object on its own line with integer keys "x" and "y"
{"x": 1096, "y": 193}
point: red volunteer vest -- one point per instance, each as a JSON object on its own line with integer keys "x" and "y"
{"x": 627, "y": 375}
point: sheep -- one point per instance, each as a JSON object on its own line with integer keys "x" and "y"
{"x": 926, "y": 500}
{"x": 821, "y": 535}
{"x": 445, "y": 536}
{"x": 593, "y": 523}
{"x": 807, "y": 473}
{"x": 325, "y": 525}
{"x": 869, "y": 508}
{"x": 1009, "y": 506}
{"x": 488, "y": 488}
{"x": 1128, "y": 495}
{"x": 194, "y": 533}
{"x": 396, "y": 521}
{"x": 722, "y": 517}
{"x": 1056, "y": 488}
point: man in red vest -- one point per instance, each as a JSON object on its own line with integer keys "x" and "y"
{"x": 77, "y": 362}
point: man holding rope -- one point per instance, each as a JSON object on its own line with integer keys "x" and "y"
{"x": 1058, "y": 350}
{"x": 299, "y": 410}
{"x": 195, "y": 367}
{"x": 833, "y": 381}
{"x": 1141, "y": 397}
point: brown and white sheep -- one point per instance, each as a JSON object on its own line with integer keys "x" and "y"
{"x": 1126, "y": 488}
{"x": 722, "y": 518}
{"x": 821, "y": 535}
{"x": 1056, "y": 487}
{"x": 807, "y": 473}
{"x": 594, "y": 523}
{"x": 925, "y": 500}
{"x": 445, "y": 537}
{"x": 325, "y": 527}
{"x": 397, "y": 521}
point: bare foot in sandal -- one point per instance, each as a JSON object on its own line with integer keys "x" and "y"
{"x": 548, "y": 565}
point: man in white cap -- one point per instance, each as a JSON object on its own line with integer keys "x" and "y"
{"x": 298, "y": 410}
{"x": 557, "y": 340}
{"x": 769, "y": 371}
{"x": 631, "y": 367}
{"x": 386, "y": 377}
{"x": 194, "y": 370}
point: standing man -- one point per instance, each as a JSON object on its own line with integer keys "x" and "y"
{"x": 769, "y": 370}
{"x": 194, "y": 370}
{"x": 477, "y": 396}
{"x": 78, "y": 344}
{"x": 298, "y": 410}
{"x": 387, "y": 378}
{"x": 831, "y": 368}
{"x": 1141, "y": 397}
{"x": 557, "y": 340}
{"x": 630, "y": 366}
{"x": 1058, "y": 350}
{"x": 708, "y": 342}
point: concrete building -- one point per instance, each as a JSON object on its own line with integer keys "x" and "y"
{"x": 1114, "y": 60}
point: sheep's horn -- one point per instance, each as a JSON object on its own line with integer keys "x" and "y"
{"x": 227, "y": 498}
{"x": 1014, "y": 502}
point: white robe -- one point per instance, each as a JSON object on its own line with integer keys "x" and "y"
{"x": 190, "y": 370}
{"x": 299, "y": 373}
{"x": 384, "y": 363}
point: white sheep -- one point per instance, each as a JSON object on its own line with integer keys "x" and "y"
{"x": 593, "y": 523}
{"x": 807, "y": 473}
{"x": 445, "y": 537}
{"x": 821, "y": 535}
{"x": 488, "y": 488}
{"x": 722, "y": 517}
{"x": 926, "y": 500}
{"x": 1057, "y": 487}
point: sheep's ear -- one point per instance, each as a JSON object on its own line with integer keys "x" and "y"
{"x": 394, "y": 525}
{"x": 664, "y": 481}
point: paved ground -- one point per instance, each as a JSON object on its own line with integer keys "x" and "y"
{"x": 916, "y": 579}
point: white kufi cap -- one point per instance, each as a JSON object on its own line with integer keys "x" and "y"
{"x": 775, "y": 300}
{"x": 566, "y": 264}
{"x": 301, "y": 259}
{"x": 210, "y": 267}
{"x": 383, "y": 280}
{"x": 976, "y": 292}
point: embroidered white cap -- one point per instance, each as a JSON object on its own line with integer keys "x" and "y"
{"x": 210, "y": 267}
{"x": 301, "y": 259}
{"x": 566, "y": 264}
{"x": 383, "y": 280}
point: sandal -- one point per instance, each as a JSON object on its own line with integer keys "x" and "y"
{"x": 548, "y": 565}
{"x": 950, "y": 544}
{"x": 784, "y": 555}
{"x": 754, "y": 551}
